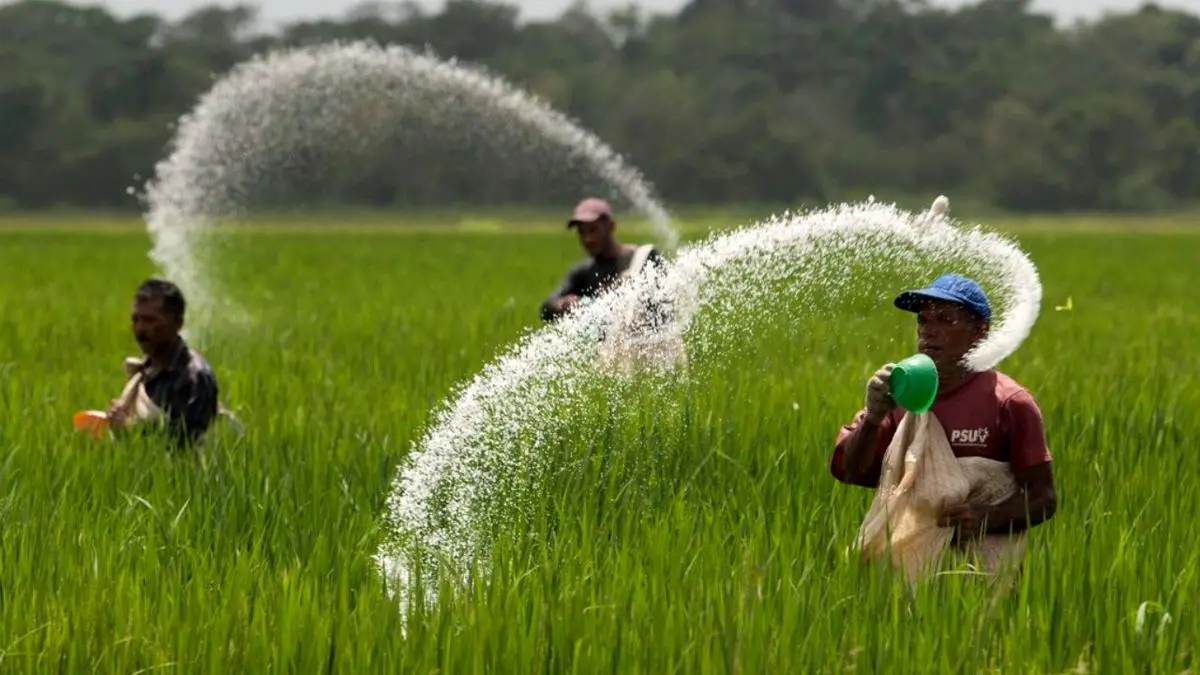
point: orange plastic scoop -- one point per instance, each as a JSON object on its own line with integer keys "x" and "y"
{"x": 94, "y": 422}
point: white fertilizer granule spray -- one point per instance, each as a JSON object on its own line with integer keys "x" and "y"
{"x": 254, "y": 128}
{"x": 475, "y": 468}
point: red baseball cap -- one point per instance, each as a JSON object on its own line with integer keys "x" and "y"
{"x": 589, "y": 210}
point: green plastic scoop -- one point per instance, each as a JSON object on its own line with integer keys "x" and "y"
{"x": 914, "y": 383}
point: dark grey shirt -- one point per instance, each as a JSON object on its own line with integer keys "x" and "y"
{"x": 589, "y": 278}
{"x": 187, "y": 393}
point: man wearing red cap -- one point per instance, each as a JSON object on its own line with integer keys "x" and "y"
{"x": 610, "y": 260}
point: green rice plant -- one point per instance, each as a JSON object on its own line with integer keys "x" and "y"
{"x": 696, "y": 529}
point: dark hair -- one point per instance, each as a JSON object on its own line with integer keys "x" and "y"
{"x": 172, "y": 298}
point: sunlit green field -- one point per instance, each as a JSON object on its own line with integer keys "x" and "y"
{"x": 257, "y": 557}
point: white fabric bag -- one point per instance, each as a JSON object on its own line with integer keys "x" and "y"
{"x": 921, "y": 477}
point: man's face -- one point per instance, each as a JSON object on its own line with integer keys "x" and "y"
{"x": 595, "y": 236}
{"x": 153, "y": 328}
{"x": 947, "y": 331}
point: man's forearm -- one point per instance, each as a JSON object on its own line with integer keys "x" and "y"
{"x": 550, "y": 309}
{"x": 1020, "y": 512}
{"x": 860, "y": 451}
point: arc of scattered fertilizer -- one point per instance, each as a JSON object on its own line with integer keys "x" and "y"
{"x": 940, "y": 207}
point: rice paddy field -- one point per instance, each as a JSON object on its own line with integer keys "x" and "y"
{"x": 729, "y": 557}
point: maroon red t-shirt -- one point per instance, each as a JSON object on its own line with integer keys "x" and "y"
{"x": 990, "y": 415}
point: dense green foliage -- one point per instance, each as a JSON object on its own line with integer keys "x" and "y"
{"x": 258, "y": 558}
{"x": 727, "y": 101}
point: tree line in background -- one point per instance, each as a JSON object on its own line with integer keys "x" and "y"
{"x": 728, "y": 101}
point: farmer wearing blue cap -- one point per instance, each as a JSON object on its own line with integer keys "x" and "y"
{"x": 985, "y": 414}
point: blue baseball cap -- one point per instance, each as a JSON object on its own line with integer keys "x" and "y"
{"x": 952, "y": 288}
